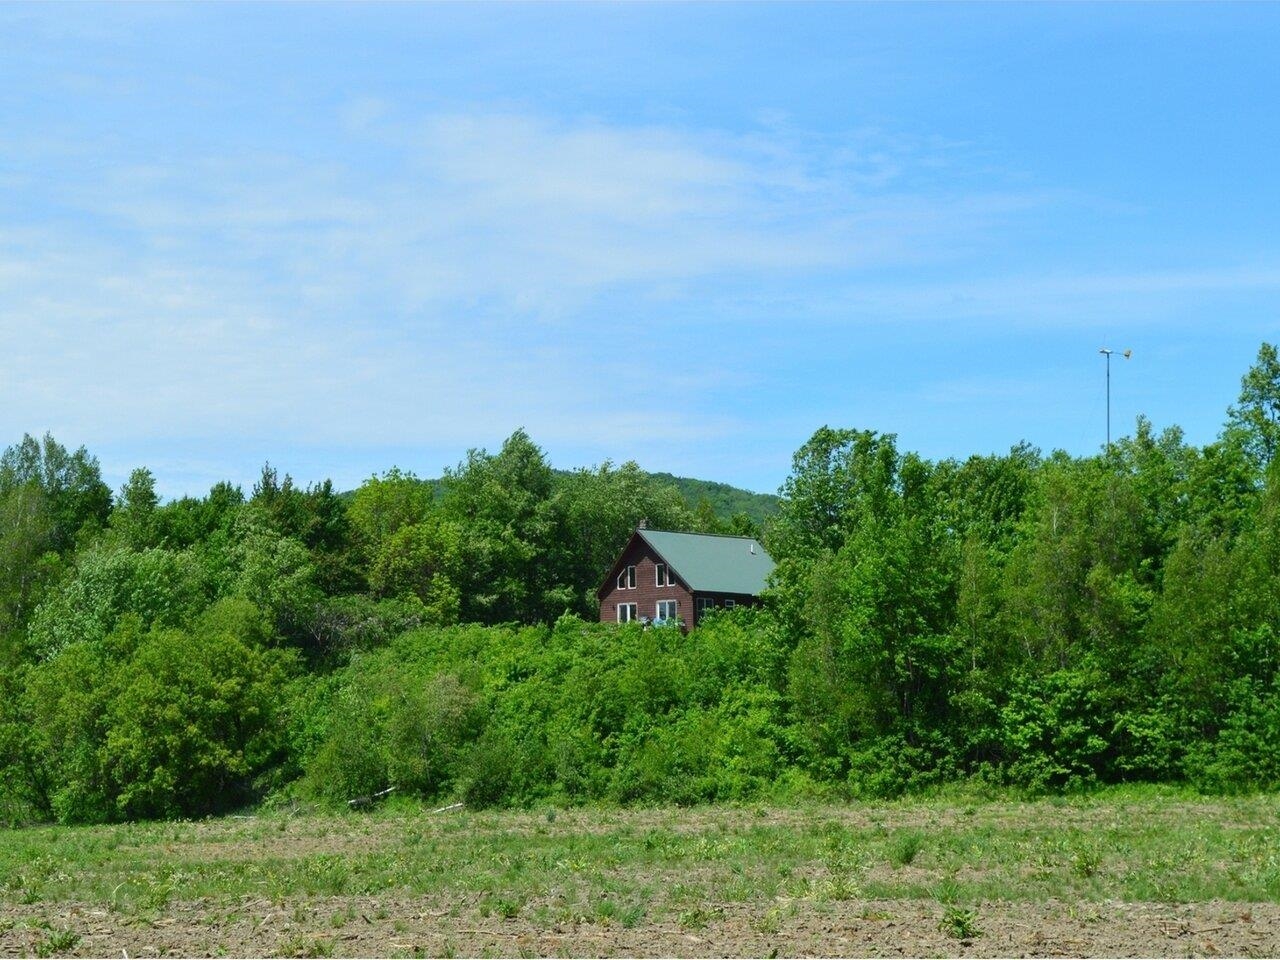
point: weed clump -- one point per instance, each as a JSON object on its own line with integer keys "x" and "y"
{"x": 959, "y": 923}
{"x": 905, "y": 848}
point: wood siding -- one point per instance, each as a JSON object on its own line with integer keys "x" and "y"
{"x": 646, "y": 593}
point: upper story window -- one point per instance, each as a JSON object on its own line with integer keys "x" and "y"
{"x": 664, "y": 578}
{"x": 627, "y": 578}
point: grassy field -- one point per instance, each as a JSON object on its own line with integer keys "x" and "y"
{"x": 1119, "y": 873}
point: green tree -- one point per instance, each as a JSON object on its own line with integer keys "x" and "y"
{"x": 423, "y": 561}
{"x": 200, "y": 521}
{"x": 27, "y": 562}
{"x": 503, "y": 505}
{"x": 596, "y": 512}
{"x": 157, "y": 586}
{"x": 1083, "y": 530}
{"x": 134, "y": 517}
{"x": 1255, "y": 420}
{"x": 382, "y": 505}
{"x": 71, "y": 483}
{"x": 275, "y": 573}
{"x": 191, "y": 721}
{"x": 867, "y": 580}
{"x": 837, "y": 478}
{"x": 159, "y": 723}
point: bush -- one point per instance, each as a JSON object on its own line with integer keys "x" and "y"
{"x": 386, "y": 721}
{"x": 1245, "y": 755}
{"x": 582, "y": 711}
{"x": 889, "y": 767}
{"x": 348, "y": 761}
{"x": 161, "y": 587}
{"x": 21, "y": 794}
{"x": 158, "y": 723}
{"x": 1055, "y": 731}
{"x": 491, "y": 764}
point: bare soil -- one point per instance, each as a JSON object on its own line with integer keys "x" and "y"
{"x": 425, "y": 926}
{"x": 456, "y": 920}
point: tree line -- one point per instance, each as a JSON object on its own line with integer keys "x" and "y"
{"x": 1043, "y": 622}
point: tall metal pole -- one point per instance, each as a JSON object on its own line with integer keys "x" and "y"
{"x": 1107, "y": 352}
{"x": 1108, "y": 401}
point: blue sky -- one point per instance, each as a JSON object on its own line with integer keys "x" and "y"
{"x": 349, "y": 237}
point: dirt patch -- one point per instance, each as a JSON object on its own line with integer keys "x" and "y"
{"x": 372, "y": 926}
{"x": 1040, "y": 879}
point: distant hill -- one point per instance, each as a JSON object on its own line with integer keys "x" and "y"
{"x": 724, "y": 499}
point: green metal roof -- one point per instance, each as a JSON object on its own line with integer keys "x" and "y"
{"x": 709, "y": 563}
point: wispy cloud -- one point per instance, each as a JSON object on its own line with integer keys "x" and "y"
{"x": 479, "y": 271}
{"x": 1018, "y": 301}
{"x": 264, "y": 293}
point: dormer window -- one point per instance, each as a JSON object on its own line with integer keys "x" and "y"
{"x": 627, "y": 578}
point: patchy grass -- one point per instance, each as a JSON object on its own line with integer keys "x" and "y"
{"x": 330, "y": 877}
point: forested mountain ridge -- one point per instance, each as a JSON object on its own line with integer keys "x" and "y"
{"x": 1042, "y": 622}
{"x": 723, "y": 501}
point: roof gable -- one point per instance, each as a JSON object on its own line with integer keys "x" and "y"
{"x": 708, "y": 563}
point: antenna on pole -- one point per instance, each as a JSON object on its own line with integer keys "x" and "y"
{"x": 1107, "y": 352}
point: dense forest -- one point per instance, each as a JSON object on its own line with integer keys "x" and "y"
{"x": 1037, "y": 622}
{"x": 721, "y": 499}
{"x": 712, "y": 503}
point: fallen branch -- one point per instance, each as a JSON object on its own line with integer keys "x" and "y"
{"x": 453, "y": 806}
{"x": 365, "y": 801}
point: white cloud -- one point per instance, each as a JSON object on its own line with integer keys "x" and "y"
{"x": 1078, "y": 300}
{"x": 495, "y": 273}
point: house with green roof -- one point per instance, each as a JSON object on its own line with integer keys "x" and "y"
{"x": 664, "y": 576}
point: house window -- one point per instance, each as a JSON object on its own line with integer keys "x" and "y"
{"x": 667, "y": 610}
{"x": 626, "y": 612}
{"x": 627, "y": 578}
{"x": 730, "y": 604}
{"x": 705, "y": 606}
{"x": 664, "y": 576}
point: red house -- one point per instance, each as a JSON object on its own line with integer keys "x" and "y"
{"x": 662, "y": 576}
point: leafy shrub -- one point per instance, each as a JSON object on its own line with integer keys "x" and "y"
{"x": 192, "y": 719}
{"x": 577, "y": 712}
{"x": 161, "y": 587}
{"x": 1055, "y": 731}
{"x": 342, "y": 626}
{"x": 490, "y": 766}
{"x": 890, "y": 766}
{"x": 157, "y": 723}
{"x": 348, "y": 761}
{"x": 393, "y": 718}
{"x": 1245, "y": 754}
{"x": 1149, "y": 742}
